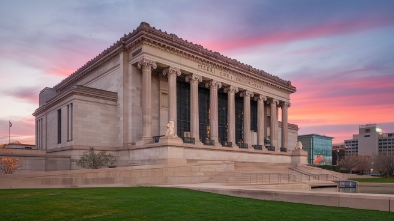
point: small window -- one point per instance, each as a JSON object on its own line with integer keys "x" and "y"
{"x": 367, "y": 135}
{"x": 367, "y": 130}
{"x": 59, "y": 126}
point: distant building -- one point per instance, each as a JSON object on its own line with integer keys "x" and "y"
{"x": 338, "y": 151}
{"x": 21, "y": 146}
{"x": 319, "y": 148}
{"x": 370, "y": 141}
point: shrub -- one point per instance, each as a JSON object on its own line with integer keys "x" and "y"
{"x": 92, "y": 160}
{"x": 9, "y": 165}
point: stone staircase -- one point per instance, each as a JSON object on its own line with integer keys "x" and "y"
{"x": 224, "y": 173}
{"x": 276, "y": 175}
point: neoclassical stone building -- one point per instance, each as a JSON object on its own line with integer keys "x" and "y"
{"x": 122, "y": 100}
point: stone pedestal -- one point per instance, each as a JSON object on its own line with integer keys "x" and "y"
{"x": 171, "y": 141}
{"x": 299, "y": 157}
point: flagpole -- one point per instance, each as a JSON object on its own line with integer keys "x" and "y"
{"x": 9, "y": 132}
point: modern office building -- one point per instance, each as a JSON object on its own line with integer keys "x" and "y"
{"x": 319, "y": 148}
{"x": 369, "y": 141}
{"x": 125, "y": 100}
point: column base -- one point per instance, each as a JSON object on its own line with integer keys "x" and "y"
{"x": 198, "y": 142}
{"x": 217, "y": 144}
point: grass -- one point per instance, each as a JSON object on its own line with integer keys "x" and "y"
{"x": 153, "y": 203}
{"x": 374, "y": 180}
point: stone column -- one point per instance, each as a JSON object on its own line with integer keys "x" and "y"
{"x": 285, "y": 126}
{"x": 246, "y": 95}
{"x": 260, "y": 119}
{"x": 41, "y": 133}
{"x": 213, "y": 105}
{"x": 231, "y": 90}
{"x": 37, "y": 134}
{"x": 146, "y": 99}
{"x": 172, "y": 73}
{"x": 194, "y": 119}
{"x": 274, "y": 124}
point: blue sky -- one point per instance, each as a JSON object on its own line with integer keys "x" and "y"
{"x": 338, "y": 53}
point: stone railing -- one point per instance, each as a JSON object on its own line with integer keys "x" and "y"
{"x": 257, "y": 147}
{"x": 209, "y": 142}
{"x": 157, "y": 138}
{"x": 243, "y": 145}
{"x": 191, "y": 140}
{"x": 270, "y": 148}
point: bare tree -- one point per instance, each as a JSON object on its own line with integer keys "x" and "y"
{"x": 364, "y": 164}
{"x": 385, "y": 163}
{"x": 348, "y": 163}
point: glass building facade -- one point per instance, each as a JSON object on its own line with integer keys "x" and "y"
{"x": 319, "y": 148}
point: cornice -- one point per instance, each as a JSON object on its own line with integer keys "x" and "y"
{"x": 145, "y": 34}
{"x": 78, "y": 90}
{"x": 174, "y": 44}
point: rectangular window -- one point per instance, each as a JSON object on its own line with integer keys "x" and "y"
{"x": 366, "y": 135}
{"x": 59, "y": 126}
{"x": 253, "y": 115}
{"x": 69, "y": 122}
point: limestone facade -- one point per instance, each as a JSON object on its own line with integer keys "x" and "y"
{"x": 125, "y": 96}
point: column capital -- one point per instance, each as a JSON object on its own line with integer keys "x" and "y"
{"x": 171, "y": 71}
{"x": 213, "y": 84}
{"x": 259, "y": 97}
{"x": 284, "y": 104}
{"x": 246, "y": 94}
{"x": 230, "y": 89}
{"x": 146, "y": 64}
{"x": 273, "y": 100}
{"x": 193, "y": 78}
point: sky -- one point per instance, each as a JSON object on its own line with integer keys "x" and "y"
{"x": 338, "y": 53}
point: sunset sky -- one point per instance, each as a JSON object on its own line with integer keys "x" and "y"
{"x": 338, "y": 53}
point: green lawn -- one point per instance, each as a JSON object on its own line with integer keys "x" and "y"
{"x": 153, "y": 203}
{"x": 374, "y": 180}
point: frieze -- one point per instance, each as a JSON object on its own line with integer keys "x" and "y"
{"x": 221, "y": 72}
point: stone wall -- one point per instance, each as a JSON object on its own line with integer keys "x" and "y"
{"x": 37, "y": 160}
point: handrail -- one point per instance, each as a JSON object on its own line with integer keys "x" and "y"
{"x": 253, "y": 178}
{"x": 328, "y": 177}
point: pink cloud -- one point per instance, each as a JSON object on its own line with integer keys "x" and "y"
{"x": 27, "y": 94}
{"x": 325, "y": 30}
{"x": 353, "y": 100}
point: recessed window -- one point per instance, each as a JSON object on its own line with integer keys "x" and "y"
{"x": 59, "y": 126}
{"x": 367, "y": 135}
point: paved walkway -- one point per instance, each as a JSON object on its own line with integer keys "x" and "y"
{"x": 382, "y": 202}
